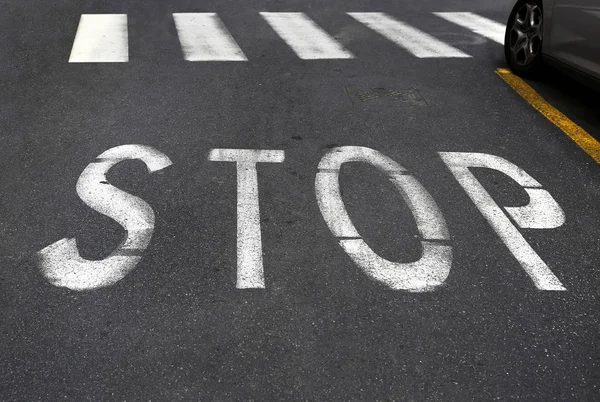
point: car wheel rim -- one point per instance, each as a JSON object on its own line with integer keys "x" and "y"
{"x": 525, "y": 40}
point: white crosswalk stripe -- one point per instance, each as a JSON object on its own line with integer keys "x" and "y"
{"x": 101, "y": 38}
{"x": 480, "y": 25}
{"x": 305, "y": 37}
{"x": 203, "y": 37}
{"x": 417, "y": 42}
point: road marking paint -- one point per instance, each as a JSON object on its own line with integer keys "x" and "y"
{"x": 581, "y": 137}
{"x": 480, "y": 25}
{"x": 204, "y": 37}
{"x": 543, "y": 212}
{"x": 250, "y": 271}
{"x": 432, "y": 269}
{"x": 61, "y": 263}
{"x": 101, "y": 38}
{"x": 413, "y": 40}
{"x": 305, "y": 37}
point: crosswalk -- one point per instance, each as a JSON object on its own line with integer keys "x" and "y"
{"x": 305, "y": 37}
{"x": 103, "y": 38}
{"x": 203, "y": 37}
{"x": 480, "y": 25}
{"x": 417, "y": 42}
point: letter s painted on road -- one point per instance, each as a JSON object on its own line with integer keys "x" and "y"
{"x": 61, "y": 263}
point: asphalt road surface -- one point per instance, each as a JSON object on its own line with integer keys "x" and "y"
{"x": 203, "y": 272}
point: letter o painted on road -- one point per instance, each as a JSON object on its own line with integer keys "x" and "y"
{"x": 432, "y": 269}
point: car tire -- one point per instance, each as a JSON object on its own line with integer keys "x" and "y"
{"x": 523, "y": 39}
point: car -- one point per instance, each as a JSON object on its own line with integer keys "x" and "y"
{"x": 563, "y": 33}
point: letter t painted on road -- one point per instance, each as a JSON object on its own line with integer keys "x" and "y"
{"x": 250, "y": 272}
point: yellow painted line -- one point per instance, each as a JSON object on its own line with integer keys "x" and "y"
{"x": 581, "y": 137}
